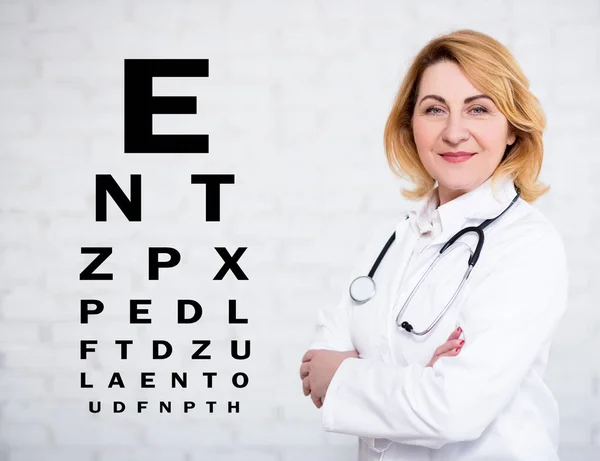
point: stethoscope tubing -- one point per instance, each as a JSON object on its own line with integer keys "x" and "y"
{"x": 473, "y": 258}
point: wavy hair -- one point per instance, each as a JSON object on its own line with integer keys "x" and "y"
{"x": 492, "y": 68}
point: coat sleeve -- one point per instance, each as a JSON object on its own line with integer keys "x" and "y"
{"x": 332, "y": 331}
{"x": 509, "y": 318}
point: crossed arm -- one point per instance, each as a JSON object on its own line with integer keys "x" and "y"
{"x": 319, "y": 366}
{"x": 522, "y": 299}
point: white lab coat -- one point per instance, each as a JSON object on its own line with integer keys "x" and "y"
{"x": 487, "y": 403}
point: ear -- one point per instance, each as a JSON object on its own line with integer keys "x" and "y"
{"x": 511, "y": 138}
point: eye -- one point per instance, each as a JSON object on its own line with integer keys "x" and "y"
{"x": 482, "y": 110}
{"x": 432, "y": 110}
{"x": 435, "y": 110}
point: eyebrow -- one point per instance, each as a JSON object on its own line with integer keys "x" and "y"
{"x": 443, "y": 101}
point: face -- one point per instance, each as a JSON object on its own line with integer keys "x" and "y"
{"x": 451, "y": 116}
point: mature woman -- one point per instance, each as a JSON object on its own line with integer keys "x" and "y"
{"x": 466, "y": 130}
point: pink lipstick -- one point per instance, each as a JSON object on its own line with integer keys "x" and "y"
{"x": 457, "y": 157}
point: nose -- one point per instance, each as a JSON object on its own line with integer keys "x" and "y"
{"x": 455, "y": 130}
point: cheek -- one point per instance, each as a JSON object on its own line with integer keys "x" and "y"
{"x": 423, "y": 135}
{"x": 492, "y": 138}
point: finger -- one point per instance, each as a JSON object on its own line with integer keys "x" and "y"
{"x": 308, "y": 356}
{"x": 305, "y": 386}
{"x": 450, "y": 353}
{"x": 304, "y": 370}
{"x": 449, "y": 345}
{"x": 455, "y": 334}
{"x": 317, "y": 401}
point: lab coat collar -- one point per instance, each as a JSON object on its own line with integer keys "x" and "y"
{"x": 481, "y": 203}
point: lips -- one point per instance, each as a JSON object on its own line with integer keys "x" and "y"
{"x": 457, "y": 157}
{"x": 457, "y": 154}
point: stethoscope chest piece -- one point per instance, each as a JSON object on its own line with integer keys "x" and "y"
{"x": 362, "y": 289}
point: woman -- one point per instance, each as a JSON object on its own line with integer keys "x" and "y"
{"x": 471, "y": 388}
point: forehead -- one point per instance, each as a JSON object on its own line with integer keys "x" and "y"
{"x": 446, "y": 79}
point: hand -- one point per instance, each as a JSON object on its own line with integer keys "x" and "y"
{"x": 317, "y": 370}
{"x": 450, "y": 348}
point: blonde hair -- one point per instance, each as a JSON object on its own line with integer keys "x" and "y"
{"x": 491, "y": 67}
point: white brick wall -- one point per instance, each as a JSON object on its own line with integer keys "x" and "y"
{"x": 295, "y": 105}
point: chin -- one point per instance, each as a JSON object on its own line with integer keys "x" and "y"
{"x": 458, "y": 183}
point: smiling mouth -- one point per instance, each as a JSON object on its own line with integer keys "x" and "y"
{"x": 457, "y": 154}
{"x": 457, "y": 157}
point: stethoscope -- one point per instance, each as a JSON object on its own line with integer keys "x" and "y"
{"x": 362, "y": 288}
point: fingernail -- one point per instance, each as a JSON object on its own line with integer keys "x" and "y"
{"x": 458, "y": 349}
{"x": 459, "y": 329}
{"x": 461, "y": 343}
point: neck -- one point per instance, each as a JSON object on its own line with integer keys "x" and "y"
{"x": 446, "y": 195}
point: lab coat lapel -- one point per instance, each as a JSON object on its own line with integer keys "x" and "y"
{"x": 406, "y": 237}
